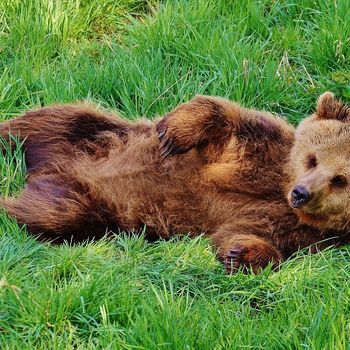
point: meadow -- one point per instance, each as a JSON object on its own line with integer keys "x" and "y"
{"x": 141, "y": 58}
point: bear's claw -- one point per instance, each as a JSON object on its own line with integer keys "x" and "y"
{"x": 168, "y": 145}
{"x": 233, "y": 259}
{"x": 161, "y": 134}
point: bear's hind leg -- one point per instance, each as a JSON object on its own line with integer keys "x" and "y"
{"x": 56, "y": 209}
{"x": 63, "y": 131}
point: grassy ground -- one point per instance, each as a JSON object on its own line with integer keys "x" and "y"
{"x": 142, "y": 58}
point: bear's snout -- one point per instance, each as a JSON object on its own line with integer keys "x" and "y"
{"x": 300, "y": 196}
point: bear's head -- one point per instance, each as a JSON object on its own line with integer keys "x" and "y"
{"x": 319, "y": 166}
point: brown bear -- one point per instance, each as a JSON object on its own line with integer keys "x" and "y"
{"x": 257, "y": 187}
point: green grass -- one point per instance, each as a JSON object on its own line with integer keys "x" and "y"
{"x": 142, "y": 58}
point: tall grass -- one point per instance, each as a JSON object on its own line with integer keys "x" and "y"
{"x": 142, "y": 58}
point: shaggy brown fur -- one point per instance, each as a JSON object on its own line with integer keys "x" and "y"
{"x": 208, "y": 166}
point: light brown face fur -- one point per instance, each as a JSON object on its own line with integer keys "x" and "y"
{"x": 320, "y": 164}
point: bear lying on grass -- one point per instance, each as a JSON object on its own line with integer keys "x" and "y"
{"x": 252, "y": 183}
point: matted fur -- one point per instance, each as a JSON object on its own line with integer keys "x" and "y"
{"x": 210, "y": 166}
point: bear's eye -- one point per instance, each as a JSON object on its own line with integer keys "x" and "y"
{"x": 339, "y": 181}
{"x": 311, "y": 161}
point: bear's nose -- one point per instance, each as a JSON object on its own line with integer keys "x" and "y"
{"x": 300, "y": 196}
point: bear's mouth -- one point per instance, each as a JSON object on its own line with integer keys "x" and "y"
{"x": 311, "y": 218}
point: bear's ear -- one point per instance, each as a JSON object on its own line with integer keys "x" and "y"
{"x": 328, "y": 107}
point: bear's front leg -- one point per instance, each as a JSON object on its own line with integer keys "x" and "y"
{"x": 196, "y": 122}
{"x": 246, "y": 252}
{"x": 207, "y": 120}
